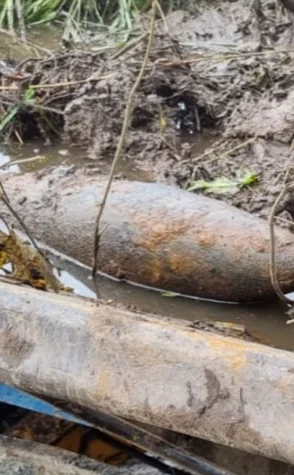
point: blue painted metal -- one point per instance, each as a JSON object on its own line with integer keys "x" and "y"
{"x": 16, "y": 397}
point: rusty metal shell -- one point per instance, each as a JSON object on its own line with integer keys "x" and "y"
{"x": 157, "y": 235}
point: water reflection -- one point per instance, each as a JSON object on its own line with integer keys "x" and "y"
{"x": 265, "y": 321}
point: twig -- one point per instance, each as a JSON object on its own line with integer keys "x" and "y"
{"x": 32, "y": 104}
{"x": 6, "y": 201}
{"x": 21, "y": 22}
{"x": 120, "y": 145}
{"x": 57, "y": 84}
{"x": 10, "y": 280}
{"x": 21, "y": 161}
{"x": 205, "y": 154}
{"x": 224, "y": 154}
{"x": 9, "y": 88}
{"x": 128, "y": 46}
{"x": 163, "y": 17}
{"x": 272, "y": 263}
{"x": 174, "y": 41}
{"x": 199, "y": 57}
{"x": 70, "y": 83}
{"x": 18, "y": 137}
{"x": 284, "y": 220}
{"x": 171, "y": 147}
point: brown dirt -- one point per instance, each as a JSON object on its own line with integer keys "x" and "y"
{"x": 227, "y": 99}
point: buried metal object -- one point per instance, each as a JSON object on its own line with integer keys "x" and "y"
{"x": 156, "y": 235}
{"x": 146, "y": 369}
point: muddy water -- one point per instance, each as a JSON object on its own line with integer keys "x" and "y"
{"x": 265, "y": 321}
{"x": 41, "y": 38}
{"x": 34, "y": 157}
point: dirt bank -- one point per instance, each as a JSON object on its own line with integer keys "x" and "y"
{"x": 215, "y": 79}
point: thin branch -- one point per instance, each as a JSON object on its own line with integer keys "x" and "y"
{"x": 272, "y": 263}
{"x": 20, "y": 162}
{"x": 223, "y": 154}
{"x": 32, "y": 104}
{"x": 70, "y": 83}
{"x": 223, "y": 56}
{"x": 21, "y": 21}
{"x": 28, "y": 44}
{"x": 163, "y": 18}
{"x": 6, "y": 201}
{"x": 120, "y": 145}
{"x": 20, "y": 141}
{"x": 58, "y": 84}
{"x": 128, "y": 46}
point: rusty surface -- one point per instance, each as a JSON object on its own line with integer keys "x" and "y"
{"x": 30, "y": 458}
{"x": 45, "y": 429}
{"x": 156, "y": 235}
{"x": 39, "y": 428}
{"x": 148, "y": 369}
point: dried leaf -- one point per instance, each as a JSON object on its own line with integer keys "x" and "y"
{"x": 28, "y": 265}
{"x": 3, "y": 259}
{"x": 234, "y": 330}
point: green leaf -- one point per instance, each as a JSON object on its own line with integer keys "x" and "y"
{"x": 28, "y": 94}
{"x": 26, "y": 99}
{"x": 247, "y": 178}
{"x": 8, "y": 117}
{"x": 223, "y": 184}
{"x": 169, "y": 294}
{"x": 120, "y": 44}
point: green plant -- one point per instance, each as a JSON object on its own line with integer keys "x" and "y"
{"x": 73, "y": 15}
{"x": 223, "y": 184}
{"x": 27, "y": 99}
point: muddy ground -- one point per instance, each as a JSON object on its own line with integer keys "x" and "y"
{"x": 217, "y": 98}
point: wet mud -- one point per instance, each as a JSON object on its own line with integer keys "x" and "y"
{"x": 216, "y": 100}
{"x": 222, "y": 72}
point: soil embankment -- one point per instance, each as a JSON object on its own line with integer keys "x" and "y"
{"x": 214, "y": 83}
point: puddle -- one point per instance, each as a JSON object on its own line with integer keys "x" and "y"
{"x": 79, "y": 288}
{"x": 267, "y": 322}
{"x": 202, "y": 142}
{"x": 41, "y": 155}
{"x": 39, "y": 37}
{"x": 58, "y": 154}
